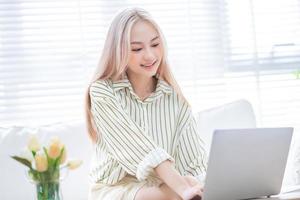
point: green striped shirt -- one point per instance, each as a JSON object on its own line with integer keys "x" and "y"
{"x": 136, "y": 136}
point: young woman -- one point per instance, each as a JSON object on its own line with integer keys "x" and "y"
{"x": 146, "y": 145}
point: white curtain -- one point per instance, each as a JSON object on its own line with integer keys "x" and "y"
{"x": 220, "y": 51}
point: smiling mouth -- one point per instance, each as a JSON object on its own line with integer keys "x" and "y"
{"x": 149, "y": 65}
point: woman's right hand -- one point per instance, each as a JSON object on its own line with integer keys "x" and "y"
{"x": 191, "y": 193}
{"x": 184, "y": 186}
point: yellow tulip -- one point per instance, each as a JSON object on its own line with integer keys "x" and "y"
{"x": 73, "y": 164}
{"x": 55, "y": 148}
{"x": 41, "y": 163}
{"x": 33, "y": 143}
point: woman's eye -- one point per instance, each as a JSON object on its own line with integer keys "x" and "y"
{"x": 137, "y": 49}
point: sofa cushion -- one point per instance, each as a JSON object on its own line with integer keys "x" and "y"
{"x": 237, "y": 114}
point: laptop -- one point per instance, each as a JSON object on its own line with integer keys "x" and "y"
{"x": 246, "y": 163}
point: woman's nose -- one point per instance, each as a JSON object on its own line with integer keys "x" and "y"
{"x": 149, "y": 55}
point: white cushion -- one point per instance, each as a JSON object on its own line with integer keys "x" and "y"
{"x": 238, "y": 114}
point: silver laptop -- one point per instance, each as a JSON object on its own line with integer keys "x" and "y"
{"x": 246, "y": 163}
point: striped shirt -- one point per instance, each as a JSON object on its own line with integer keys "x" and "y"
{"x": 137, "y": 135}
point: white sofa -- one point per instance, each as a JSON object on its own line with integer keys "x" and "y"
{"x": 13, "y": 182}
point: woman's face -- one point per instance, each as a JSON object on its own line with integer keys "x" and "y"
{"x": 146, "y": 51}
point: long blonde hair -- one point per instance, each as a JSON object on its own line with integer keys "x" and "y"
{"x": 115, "y": 55}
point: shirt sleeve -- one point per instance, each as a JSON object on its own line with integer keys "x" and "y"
{"x": 125, "y": 140}
{"x": 190, "y": 153}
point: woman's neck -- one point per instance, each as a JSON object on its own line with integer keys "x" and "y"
{"x": 142, "y": 86}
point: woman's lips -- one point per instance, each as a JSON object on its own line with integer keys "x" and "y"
{"x": 149, "y": 65}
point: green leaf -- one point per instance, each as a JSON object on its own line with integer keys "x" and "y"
{"x": 34, "y": 174}
{"x": 22, "y": 160}
{"x": 45, "y": 151}
{"x": 58, "y": 159}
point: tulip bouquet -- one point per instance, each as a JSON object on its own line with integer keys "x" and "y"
{"x": 45, "y": 164}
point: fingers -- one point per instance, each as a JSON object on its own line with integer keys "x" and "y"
{"x": 192, "y": 192}
{"x": 195, "y": 192}
{"x": 198, "y": 190}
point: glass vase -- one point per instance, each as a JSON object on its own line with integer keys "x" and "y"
{"x": 48, "y": 190}
{"x": 47, "y": 187}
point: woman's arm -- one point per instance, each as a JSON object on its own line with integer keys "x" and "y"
{"x": 171, "y": 177}
{"x": 176, "y": 182}
{"x": 190, "y": 156}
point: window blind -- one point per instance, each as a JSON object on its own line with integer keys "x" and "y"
{"x": 49, "y": 50}
{"x": 264, "y": 34}
{"x": 41, "y": 74}
{"x": 262, "y": 61}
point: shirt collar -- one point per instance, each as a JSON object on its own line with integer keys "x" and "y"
{"x": 162, "y": 85}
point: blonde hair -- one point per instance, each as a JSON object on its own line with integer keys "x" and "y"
{"x": 115, "y": 56}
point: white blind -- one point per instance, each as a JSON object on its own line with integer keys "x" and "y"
{"x": 263, "y": 58}
{"x": 49, "y": 50}
{"x": 263, "y": 33}
{"x": 42, "y": 72}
